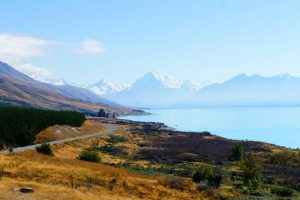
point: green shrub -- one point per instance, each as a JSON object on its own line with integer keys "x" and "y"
{"x": 116, "y": 139}
{"x": 215, "y": 181}
{"x": 211, "y": 176}
{"x": 252, "y": 172}
{"x": 282, "y": 191}
{"x": 237, "y": 153}
{"x": 113, "y": 150}
{"x": 45, "y": 149}
{"x": 203, "y": 173}
{"x": 89, "y": 155}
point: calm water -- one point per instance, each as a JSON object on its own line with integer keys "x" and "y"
{"x": 277, "y": 125}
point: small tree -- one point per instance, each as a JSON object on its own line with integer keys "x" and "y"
{"x": 252, "y": 172}
{"x": 212, "y": 177}
{"x": 45, "y": 149}
{"x": 237, "y": 152}
{"x": 102, "y": 113}
{"x": 203, "y": 173}
{"x": 89, "y": 155}
{"x": 215, "y": 181}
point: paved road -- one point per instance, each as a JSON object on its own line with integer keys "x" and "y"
{"x": 111, "y": 128}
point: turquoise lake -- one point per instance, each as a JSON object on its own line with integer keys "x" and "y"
{"x": 276, "y": 125}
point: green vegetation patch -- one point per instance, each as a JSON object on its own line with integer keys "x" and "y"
{"x": 116, "y": 139}
{"x": 112, "y": 150}
{"x": 89, "y": 155}
{"x": 285, "y": 158}
{"x": 45, "y": 149}
{"x": 282, "y": 191}
{"x": 19, "y": 126}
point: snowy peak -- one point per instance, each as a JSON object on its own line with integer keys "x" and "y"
{"x": 104, "y": 87}
{"x": 154, "y": 90}
{"x": 156, "y": 80}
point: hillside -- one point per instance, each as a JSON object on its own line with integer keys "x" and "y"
{"x": 18, "y": 89}
{"x": 142, "y": 161}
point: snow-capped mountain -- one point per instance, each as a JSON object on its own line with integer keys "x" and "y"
{"x": 155, "y": 79}
{"x": 244, "y": 90}
{"x": 155, "y": 90}
{"x": 104, "y": 87}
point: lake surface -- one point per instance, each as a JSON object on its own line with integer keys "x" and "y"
{"x": 276, "y": 125}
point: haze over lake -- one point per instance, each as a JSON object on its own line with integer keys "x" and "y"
{"x": 276, "y": 125}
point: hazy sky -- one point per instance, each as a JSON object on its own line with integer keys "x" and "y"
{"x": 85, "y": 41}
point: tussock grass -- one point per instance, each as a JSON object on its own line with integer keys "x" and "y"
{"x": 65, "y": 177}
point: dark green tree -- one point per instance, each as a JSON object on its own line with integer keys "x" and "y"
{"x": 102, "y": 113}
{"x": 19, "y": 126}
{"x": 237, "y": 152}
{"x": 252, "y": 172}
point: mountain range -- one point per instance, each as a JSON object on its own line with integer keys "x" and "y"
{"x": 19, "y": 89}
{"x": 244, "y": 90}
{"x": 154, "y": 90}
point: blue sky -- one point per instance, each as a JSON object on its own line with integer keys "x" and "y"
{"x": 85, "y": 41}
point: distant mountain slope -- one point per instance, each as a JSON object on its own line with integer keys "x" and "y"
{"x": 19, "y": 89}
{"x": 6, "y": 70}
{"x": 83, "y": 94}
{"x": 244, "y": 90}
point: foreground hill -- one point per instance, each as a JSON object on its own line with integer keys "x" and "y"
{"x": 18, "y": 89}
{"x": 145, "y": 161}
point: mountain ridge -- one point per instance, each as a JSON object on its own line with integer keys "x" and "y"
{"x": 154, "y": 90}
{"x": 245, "y": 90}
{"x": 19, "y": 89}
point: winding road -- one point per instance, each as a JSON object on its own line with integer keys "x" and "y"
{"x": 111, "y": 128}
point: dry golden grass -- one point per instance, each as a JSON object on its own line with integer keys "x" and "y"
{"x": 65, "y": 177}
{"x": 59, "y": 132}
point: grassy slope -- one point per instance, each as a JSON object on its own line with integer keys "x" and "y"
{"x": 134, "y": 175}
{"x": 65, "y": 177}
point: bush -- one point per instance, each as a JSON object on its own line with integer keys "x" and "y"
{"x": 252, "y": 172}
{"x": 237, "y": 153}
{"x": 203, "y": 173}
{"x": 212, "y": 176}
{"x": 45, "y": 149}
{"x": 89, "y": 155}
{"x": 215, "y": 181}
{"x": 113, "y": 150}
{"x": 282, "y": 191}
{"x": 116, "y": 139}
